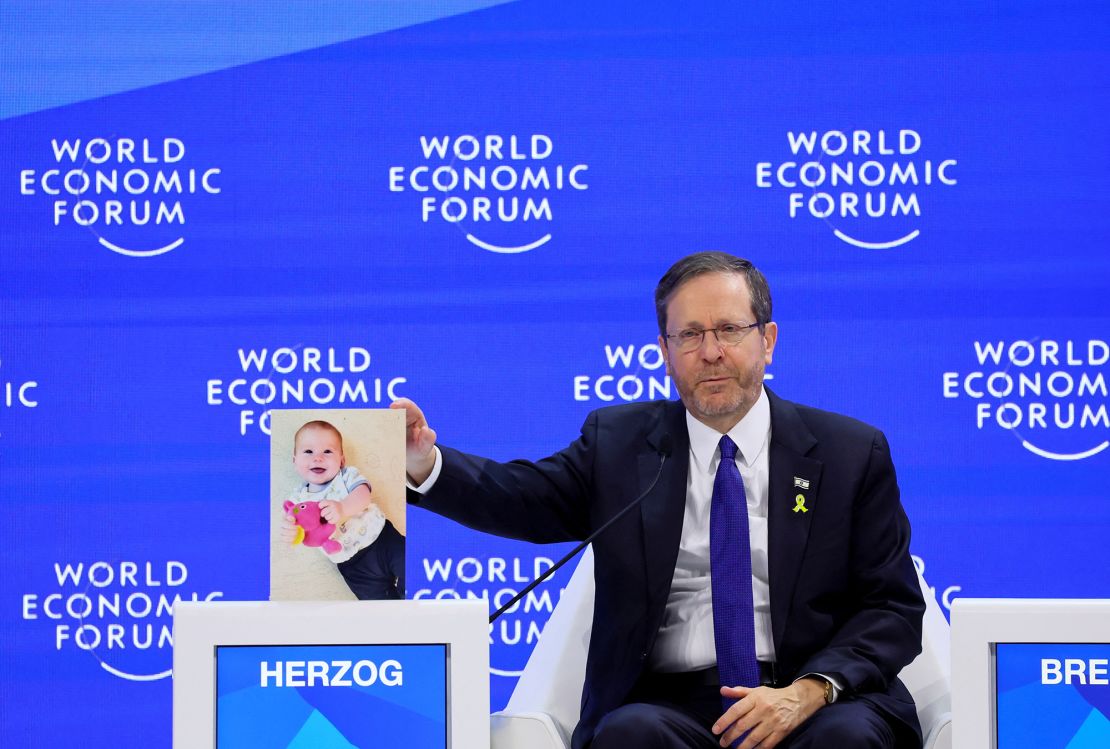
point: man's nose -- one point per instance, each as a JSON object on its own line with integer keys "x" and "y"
{"x": 711, "y": 349}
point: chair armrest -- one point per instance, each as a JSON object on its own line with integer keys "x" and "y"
{"x": 525, "y": 731}
{"x": 940, "y": 737}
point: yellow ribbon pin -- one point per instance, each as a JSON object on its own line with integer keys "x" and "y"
{"x": 800, "y": 503}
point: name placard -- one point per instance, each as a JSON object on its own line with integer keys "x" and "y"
{"x": 328, "y": 696}
{"x": 1052, "y": 694}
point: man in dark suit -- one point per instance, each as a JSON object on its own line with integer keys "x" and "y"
{"x": 835, "y": 609}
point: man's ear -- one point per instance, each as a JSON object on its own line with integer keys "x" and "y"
{"x": 770, "y": 338}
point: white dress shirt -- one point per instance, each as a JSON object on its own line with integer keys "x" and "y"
{"x": 685, "y": 640}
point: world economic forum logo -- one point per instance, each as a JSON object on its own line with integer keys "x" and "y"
{"x": 1050, "y": 394}
{"x": 131, "y": 194}
{"x": 630, "y": 373}
{"x": 496, "y": 579}
{"x": 295, "y": 376}
{"x": 118, "y": 611}
{"x": 500, "y": 191}
{"x": 868, "y": 187}
{"x": 17, "y": 393}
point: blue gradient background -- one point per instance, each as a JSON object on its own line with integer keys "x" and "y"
{"x": 1032, "y": 714}
{"x": 304, "y": 108}
{"x": 412, "y": 713}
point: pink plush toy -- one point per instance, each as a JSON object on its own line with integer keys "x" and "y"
{"x": 312, "y": 530}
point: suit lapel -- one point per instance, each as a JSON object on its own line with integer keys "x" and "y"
{"x": 792, "y": 475}
{"x": 663, "y": 509}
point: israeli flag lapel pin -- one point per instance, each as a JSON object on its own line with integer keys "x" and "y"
{"x": 800, "y": 499}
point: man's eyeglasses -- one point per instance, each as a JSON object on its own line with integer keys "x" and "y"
{"x": 728, "y": 334}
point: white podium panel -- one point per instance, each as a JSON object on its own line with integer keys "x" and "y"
{"x": 337, "y": 674}
{"x": 1030, "y": 673}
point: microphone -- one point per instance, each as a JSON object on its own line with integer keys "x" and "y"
{"x": 664, "y": 452}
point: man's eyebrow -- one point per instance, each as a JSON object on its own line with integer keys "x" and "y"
{"x": 688, "y": 325}
{"x": 717, "y": 322}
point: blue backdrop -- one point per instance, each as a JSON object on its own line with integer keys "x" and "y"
{"x": 481, "y": 196}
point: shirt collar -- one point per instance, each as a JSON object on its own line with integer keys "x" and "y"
{"x": 750, "y": 435}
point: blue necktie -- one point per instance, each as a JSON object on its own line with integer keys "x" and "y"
{"x": 730, "y": 560}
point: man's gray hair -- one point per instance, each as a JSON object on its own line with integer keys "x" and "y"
{"x": 701, "y": 263}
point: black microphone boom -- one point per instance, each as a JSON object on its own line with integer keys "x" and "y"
{"x": 664, "y": 452}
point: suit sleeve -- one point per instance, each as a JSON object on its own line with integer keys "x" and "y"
{"x": 543, "y": 502}
{"x": 882, "y": 632}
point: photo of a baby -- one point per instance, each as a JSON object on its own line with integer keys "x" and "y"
{"x": 331, "y": 517}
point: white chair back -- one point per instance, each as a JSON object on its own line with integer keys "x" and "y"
{"x": 545, "y": 705}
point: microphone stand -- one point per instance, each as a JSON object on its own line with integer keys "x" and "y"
{"x": 664, "y": 453}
